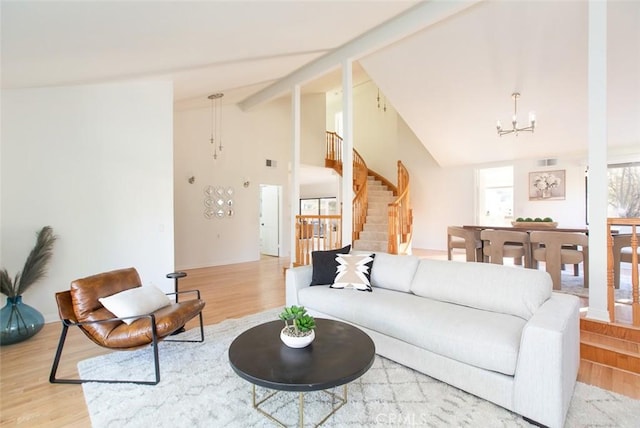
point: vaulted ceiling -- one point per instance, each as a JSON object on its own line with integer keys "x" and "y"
{"x": 450, "y": 81}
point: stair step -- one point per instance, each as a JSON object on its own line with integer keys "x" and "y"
{"x": 373, "y": 236}
{"x": 385, "y": 199}
{"x": 620, "y": 331}
{"x": 612, "y": 345}
{"x": 377, "y": 220}
{"x": 373, "y": 227}
{"x": 611, "y": 351}
{"x": 377, "y": 212}
{"x": 364, "y": 245}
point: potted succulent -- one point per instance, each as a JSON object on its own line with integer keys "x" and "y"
{"x": 299, "y": 326}
{"x": 534, "y": 222}
{"x": 19, "y": 321}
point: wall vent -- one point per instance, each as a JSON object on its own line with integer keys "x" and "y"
{"x": 547, "y": 162}
{"x": 270, "y": 163}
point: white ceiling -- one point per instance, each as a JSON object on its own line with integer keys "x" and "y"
{"x": 458, "y": 77}
{"x": 450, "y": 82}
{"x": 235, "y": 47}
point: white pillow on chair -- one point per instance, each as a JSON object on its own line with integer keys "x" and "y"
{"x": 135, "y": 301}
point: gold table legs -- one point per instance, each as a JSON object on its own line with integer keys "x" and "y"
{"x": 341, "y": 401}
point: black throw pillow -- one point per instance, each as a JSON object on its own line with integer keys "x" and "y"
{"x": 325, "y": 265}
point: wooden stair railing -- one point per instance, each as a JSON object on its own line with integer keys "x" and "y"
{"x": 401, "y": 216}
{"x": 634, "y": 224}
{"x": 399, "y": 211}
{"x": 333, "y": 156}
{"x": 333, "y": 159}
{"x": 316, "y": 233}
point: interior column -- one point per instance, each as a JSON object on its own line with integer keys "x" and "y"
{"x": 598, "y": 182}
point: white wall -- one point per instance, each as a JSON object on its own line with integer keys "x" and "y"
{"x": 375, "y": 134}
{"x": 95, "y": 163}
{"x": 325, "y": 189}
{"x": 569, "y": 212}
{"x": 249, "y": 138}
{"x": 375, "y": 131}
{"x": 445, "y": 196}
{"x": 312, "y": 129}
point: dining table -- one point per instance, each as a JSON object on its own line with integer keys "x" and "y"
{"x": 529, "y": 228}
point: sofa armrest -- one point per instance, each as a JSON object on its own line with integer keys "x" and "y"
{"x": 297, "y": 278}
{"x": 548, "y": 361}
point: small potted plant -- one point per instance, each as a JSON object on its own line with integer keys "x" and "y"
{"x": 299, "y": 326}
{"x": 537, "y": 222}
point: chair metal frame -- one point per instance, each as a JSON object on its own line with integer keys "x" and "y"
{"x": 66, "y": 323}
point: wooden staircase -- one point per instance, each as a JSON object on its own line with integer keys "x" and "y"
{"x": 610, "y": 356}
{"x": 388, "y": 200}
{"x": 375, "y": 234}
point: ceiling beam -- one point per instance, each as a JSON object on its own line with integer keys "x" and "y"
{"x": 415, "y": 19}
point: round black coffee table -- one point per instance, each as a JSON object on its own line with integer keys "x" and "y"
{"x": 339, "y": 354}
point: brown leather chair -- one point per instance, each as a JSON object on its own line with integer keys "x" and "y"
{"x": 559, "y": 248}
{"x": 499, "y": 244}
{"x": 621, "y": 253}
{"x": 466, "y": 239}
{"x": 80, "y": 307}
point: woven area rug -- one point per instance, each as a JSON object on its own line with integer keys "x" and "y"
{"x": 198, "y": 388}
{"x": 574, "y": 285}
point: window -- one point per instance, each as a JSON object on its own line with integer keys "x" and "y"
{"x": 495, "y": 196}
{"x": 319, "y": 206}
{"x": 624, "y": 190}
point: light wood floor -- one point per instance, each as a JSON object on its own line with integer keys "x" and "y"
{"x": 28, "y": 399}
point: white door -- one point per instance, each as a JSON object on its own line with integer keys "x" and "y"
{"x": 269, "y": 220}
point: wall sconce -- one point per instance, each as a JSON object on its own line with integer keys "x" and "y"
{"x": 191, "y": 179}
{"x": 246, "y": 182}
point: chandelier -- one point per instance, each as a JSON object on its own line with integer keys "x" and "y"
{"x": 216, "y": 123}
{"x": 514, "y": 120}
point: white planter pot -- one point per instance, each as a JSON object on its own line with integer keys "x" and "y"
{"x": 297, "y": 342}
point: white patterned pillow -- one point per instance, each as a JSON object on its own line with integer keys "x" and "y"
{"x": 354, "y": 271}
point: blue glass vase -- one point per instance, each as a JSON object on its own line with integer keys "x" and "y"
{"x": 18, "y": 321}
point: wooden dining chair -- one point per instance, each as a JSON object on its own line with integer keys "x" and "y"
{"x": 498, "y": 244}
{"x": 558, "y": 248}
{"x": 465, "y": 239}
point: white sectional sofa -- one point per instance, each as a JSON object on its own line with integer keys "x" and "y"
{"x": 498, "y": 332}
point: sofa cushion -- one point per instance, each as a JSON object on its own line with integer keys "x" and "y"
{"x": 354, "y": 271}
{"x": 135, "y": 301}
{"x": 325, "y": 265}
{"x": 394, "y": 272}
{"x": 483, "y": 339}
{"x": 498, "y": 288}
